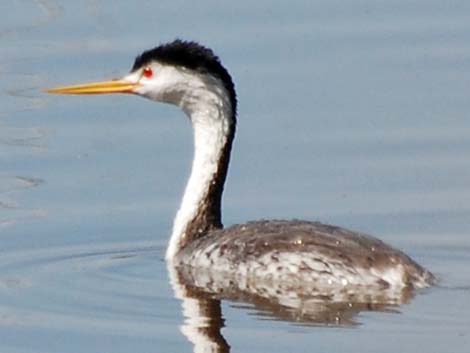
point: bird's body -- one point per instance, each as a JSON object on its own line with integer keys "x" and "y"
{"x": 310, "y": 253}
{"x": 191, "y": 77}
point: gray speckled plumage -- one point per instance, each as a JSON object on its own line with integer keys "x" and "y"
{"x": 310, "y": 253}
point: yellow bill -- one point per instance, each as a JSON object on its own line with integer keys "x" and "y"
{"x": 100, "y": 87}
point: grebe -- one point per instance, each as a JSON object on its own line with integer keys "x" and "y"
{"x": 302, "y": 253}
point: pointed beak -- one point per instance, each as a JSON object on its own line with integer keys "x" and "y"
{"x": 100, "y": 87}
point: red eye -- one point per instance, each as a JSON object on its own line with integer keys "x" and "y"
{"x": 147, "y": 72}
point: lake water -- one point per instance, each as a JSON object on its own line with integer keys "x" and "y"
{"x": 354, "y": 113}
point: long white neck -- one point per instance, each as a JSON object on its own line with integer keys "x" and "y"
{"x": 214, "y": 126}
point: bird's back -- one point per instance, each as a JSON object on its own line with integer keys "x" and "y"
{"x": 308, "y": 253}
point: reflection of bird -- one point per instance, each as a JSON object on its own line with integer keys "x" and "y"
{"x": 301, "y": 253}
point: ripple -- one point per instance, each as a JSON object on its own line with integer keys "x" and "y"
{"x": 44, "y": 12}
{"x": 117, "y": 287}
{"x": 14, "y": 212}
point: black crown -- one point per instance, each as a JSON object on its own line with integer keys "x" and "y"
{"x": 193, "y": 56}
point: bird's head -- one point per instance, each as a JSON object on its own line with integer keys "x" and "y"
{"x": 178, "y": 72}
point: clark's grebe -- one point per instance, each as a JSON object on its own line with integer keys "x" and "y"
{"x": 192, "y": 77}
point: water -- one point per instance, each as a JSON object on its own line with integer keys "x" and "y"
{"x": 363, "y": 104}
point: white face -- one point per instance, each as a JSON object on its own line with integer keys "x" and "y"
{"x": 161, "y": 82}
{"x": 185, "y": 88}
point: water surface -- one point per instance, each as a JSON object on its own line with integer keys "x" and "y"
{"x": 352, "y": 113}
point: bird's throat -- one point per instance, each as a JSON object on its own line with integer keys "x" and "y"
{"x": 200, "y": 210}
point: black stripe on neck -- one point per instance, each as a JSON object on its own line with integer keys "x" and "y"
{"x": 209, "y": 214}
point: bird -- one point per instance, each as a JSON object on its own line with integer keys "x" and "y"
{"x": 306, "y": 254}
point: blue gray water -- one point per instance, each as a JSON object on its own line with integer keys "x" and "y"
{"x": 352, "y": 113}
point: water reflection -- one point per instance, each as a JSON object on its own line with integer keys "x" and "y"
{"x": 201, "y": 294}
{"x": 203, "y": 315}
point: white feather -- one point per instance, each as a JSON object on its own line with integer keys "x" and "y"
{"x": 205, "y": 101}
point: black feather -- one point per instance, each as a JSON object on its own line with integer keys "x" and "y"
{"x": 193, "y": 56}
